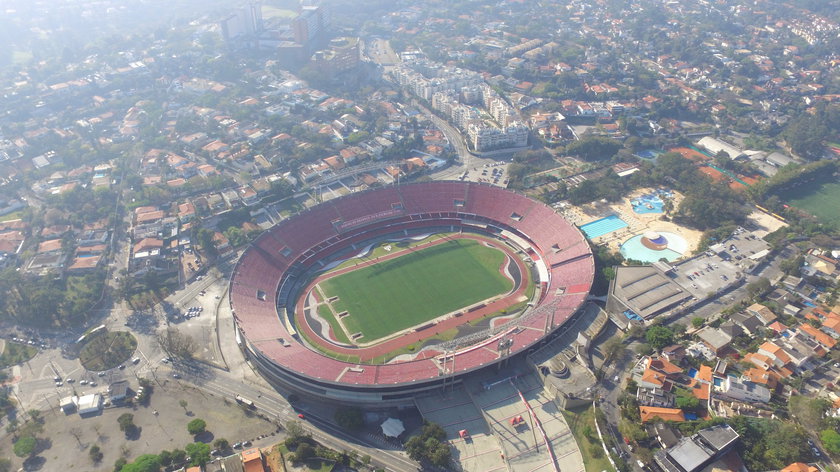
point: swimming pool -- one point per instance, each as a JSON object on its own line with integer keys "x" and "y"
{"x": 647, "y": 204}
{"x": 603, "y": 226}
{"x": 634, "y": 249}
{"x": 651, "y": 202}
{"x": 649, "y": 154}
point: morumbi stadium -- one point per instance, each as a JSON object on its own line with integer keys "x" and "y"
{"x": 274, "y": 293}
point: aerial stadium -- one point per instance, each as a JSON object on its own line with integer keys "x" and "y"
{"x": 381, "y": 295}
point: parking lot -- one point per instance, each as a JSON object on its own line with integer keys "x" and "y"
{"x": 715, "y": 270}
{"x": 494, "y": 172}
{"x": 162, "y": 426}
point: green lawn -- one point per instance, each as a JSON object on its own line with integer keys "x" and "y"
{"x": 582, "y": 423}
{"x": 420, "y": 286}
{"x": 15, "y": 215}
{"x": 106, "y": 350}
{"x": 822, "y": 201}
{"x": 15, "y": 353}
{"x": 326, "y": 314}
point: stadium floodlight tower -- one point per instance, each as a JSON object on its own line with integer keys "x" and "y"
{"x": 447, "y": 367}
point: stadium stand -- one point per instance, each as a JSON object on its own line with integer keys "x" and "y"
{"x": 276, "y": 260}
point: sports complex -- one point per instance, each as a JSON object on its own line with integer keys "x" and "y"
{"x": 380, "y": 295}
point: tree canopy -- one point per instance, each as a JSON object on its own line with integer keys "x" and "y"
{"x": 831, "y": 440}
{"x": 429, "y": 446}
{"x": 25, "y": 446}
{"x": 349, "y": 418}
{"x": 199, "y": 453}
{"x": 144, "y": 463}
{"x": 659, "y": 337}
{"x": 196, "y": 426}
{"x": 594, "y": 148}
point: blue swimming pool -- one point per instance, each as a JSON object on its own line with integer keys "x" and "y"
{"x": 634, "y": 249}
{"x": 603, "y": 226}
{"x": 649, "y": 154}
{"x": 651, "y": 202}
{"x": 647, "y": 204}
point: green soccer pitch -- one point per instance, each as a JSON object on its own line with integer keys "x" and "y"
{"x": 409, "y": 290}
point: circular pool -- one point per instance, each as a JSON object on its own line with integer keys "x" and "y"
{"x": 653, "y": 246}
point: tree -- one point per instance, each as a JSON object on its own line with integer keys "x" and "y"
{"x": 349, "y": 418}
{"x": 612, "y": 349}
{"x": 808, "y": 411}
{"x": 697, "y": 322}
{"x": 594, "y": 148}
{"x": 199, "y": 453}
{"x": 429, "y": 446}
{"x": 196, "y": 426}
{"x": 177, "y": 344}
{"x": 687, "y": 401}
{"x": 165, "y": 458}
{"x": 178, "y": 456}
{"x": 183, "y": 404}
{"x": 304, "y": 451}
{"x": 25, "y": 446}
{"x": 95, "y": 454}
{"x": 144, "y": 463}
{"x": 221, "y": 444}
{"x": 760, "y": 286}
{"x": 5, "y": 465}
{"x": 659, "y": 337}
{"x": 295, "y": 430}
{"x": 126, "y": 422}
{"x": 831, "y": 440}
{"x": 34, "y": 414}
{"x": 76, "y": 432}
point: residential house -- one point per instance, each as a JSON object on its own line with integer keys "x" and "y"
{"x": 147, "y": 247}
{"x": 748, "y": 322}
{"x": 248, "y": 195}
{"x": 774, "y": 353}
{"x": 52, "y": 246}
{"x": 744, "y": 391}
{"x": 701, "y": 386}
{"x": 233, "y": 464}
{"x": 762, "y": 312}
{"x": 831, "y": 325}
{"x": 716, "y": 339}
{"x": 800, "y": 467}
{"x": 655, "y": 397}
{"x": 216, "y": 203}
{"x": 815, "y": 334}
{"x": 674, "y": 353}
{"x": 252, "y": 460}
{"x": 659, "y": 373}
{"x": 792, "y": 282}
{"x": 652, "y": 413}
{"x": 231, "y": 197}
{"x": 186, "y": 212}
{"x": 84, "y": 264}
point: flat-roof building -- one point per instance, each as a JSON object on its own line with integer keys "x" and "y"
{"x": 644, "y": 290}
{"x": 693, "y": 453}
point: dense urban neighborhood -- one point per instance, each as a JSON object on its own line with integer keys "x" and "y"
{"x": 271, "y": 235}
